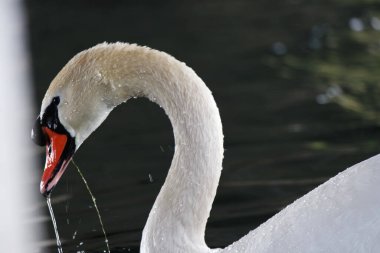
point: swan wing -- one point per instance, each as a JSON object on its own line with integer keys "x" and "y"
{"x": 341, "y": 215}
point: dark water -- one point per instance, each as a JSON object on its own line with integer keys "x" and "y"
{"x": 296, "y": 83}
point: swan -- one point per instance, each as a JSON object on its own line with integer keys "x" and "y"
{"x": 341, "y": 215}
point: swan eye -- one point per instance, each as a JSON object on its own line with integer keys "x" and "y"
{"x": 56, "y": 100}
{"x": 50, "y": 116}
{"x": 49, "y": 119}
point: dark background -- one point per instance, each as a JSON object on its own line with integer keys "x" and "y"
{"x": 296, "y": 83}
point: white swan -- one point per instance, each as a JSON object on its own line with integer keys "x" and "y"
{"x": 342, "y": 215}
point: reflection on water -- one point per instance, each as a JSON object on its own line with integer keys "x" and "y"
{"x": 296, "y": 83}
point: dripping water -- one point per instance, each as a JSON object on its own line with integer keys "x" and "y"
{"x": 59, "y": 245}
{"x": 95, "y": 205}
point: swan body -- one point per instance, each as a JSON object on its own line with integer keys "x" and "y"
{"x": 342, "y": 215}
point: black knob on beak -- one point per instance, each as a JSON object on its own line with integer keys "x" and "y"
{"x": 38, "y": 136}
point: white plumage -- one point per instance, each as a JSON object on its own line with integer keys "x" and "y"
{"x": 342, "y": 215}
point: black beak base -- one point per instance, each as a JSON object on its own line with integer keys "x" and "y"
{"x": 37, "y": 134}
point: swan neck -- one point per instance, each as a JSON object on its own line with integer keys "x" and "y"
{"x": 179, "y": 215}
{"x": 107, "y": 75}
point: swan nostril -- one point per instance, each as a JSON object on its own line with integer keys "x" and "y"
{"x": 49, "y": 150}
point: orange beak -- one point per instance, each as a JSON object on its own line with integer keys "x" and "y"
{"x": 60, "y": 148}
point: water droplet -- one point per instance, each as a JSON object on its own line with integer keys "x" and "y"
{"x": 75, "y": 234}
{"x": 150, "y": 178}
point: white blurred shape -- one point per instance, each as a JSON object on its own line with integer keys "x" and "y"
{"x": 356, "y": 24}
{"x": 375, "y": 23}
{"x": 19, "y": 232}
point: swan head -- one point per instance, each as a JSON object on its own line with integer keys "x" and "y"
{"x": 75, "y": 104}
{"x": 60, "y": 145}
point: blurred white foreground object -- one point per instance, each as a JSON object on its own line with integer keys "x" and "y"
{"x": 18, "y": 229}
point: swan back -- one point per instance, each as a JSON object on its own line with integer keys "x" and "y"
{"x": 341, "y": 215}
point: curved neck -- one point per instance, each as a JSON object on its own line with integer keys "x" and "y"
{"x": 182, "y": 207}
{"x": 178, "y": 218}
{"x": 181, "y": 210}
